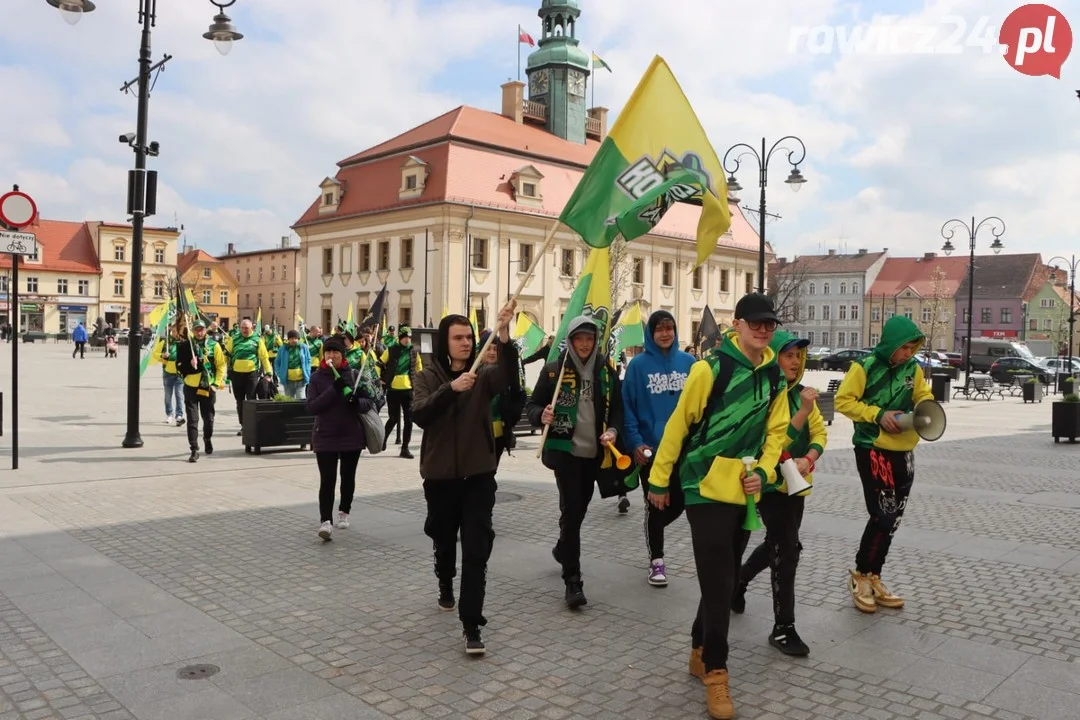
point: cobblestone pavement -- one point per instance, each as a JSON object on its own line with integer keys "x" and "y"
{"x": 120, "y": 567}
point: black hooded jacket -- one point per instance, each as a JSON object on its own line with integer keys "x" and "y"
{"x": 458, "y": 438}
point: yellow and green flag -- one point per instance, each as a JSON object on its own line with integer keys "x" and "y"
{"x": 528, "y": 335}
{"x": 598, "y": 62}
{"x": 656, "y": 154}
{"x": 473, "y": 322}
{"x": 592, "y": 297}
{"x": 629, "y": 331}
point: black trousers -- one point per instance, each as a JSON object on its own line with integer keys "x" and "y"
{"x": 196, "y": 406}
{"x": 576, "y": 480}
{"x": 328, "y": 470}
{"x": 398, "y": 403}
{"x": 719, "y": 541}
{"x": 462, "y": 505}
{"x": 80, "y": 349}
{"x": 656, "y": 520}
{"x": 243, "y": 388}
{"x": 782, "y": 515}
{"x": 887, "y": 477}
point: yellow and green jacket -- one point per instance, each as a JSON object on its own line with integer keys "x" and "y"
{"x": 167, "y": 356}
{"x": 874, "y": 385}
{"x": 744, "y": 423}
{"x": 213, "y": 370}
{"x": 315, "y": 348}
{"x": 272, "y": 342}
{"x": 812, "y": 436}
{"x": 247, "y": 354}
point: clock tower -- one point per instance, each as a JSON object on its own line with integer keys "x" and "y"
{"x": 558, "y": 70}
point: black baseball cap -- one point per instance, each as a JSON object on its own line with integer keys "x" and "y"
{"x": 756, "y": 307}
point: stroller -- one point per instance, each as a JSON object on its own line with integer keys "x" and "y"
{"x": 110, "y": 346}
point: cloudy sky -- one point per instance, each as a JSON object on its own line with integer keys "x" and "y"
{"x": 897, "y": 141}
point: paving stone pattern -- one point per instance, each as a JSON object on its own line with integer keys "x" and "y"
{"x": 117, "y": 568}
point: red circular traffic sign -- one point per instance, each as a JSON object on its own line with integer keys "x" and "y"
{"x": 17, "y": 209}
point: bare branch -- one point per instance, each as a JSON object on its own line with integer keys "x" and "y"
{"x": 787, "y": 284}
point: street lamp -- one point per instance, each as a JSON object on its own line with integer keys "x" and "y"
{"x": 1073, "y": 264}
{"x": 997, "y": 228}
{"x": 141, "y": 187}
{"x": 427, "y": 253}
{"x": 794, "y": 180}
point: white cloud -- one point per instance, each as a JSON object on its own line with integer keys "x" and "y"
{"x": 896, "y": 144}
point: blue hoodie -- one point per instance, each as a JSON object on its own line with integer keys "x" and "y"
{"x": 652, "y": 385}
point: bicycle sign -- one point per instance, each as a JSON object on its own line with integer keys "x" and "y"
{"x": 18, "y": 243}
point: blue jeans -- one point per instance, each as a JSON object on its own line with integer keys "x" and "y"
{"x": 295, "y": 389}
{"x": 174, "y": 395}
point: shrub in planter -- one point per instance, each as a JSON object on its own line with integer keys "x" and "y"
{"x": 1066, "y": 386}
{"x": 1065, "y": 419}
{"x": 1032, "y": 391}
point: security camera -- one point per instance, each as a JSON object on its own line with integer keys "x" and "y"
{"x": 153, "y": 149}
{"x": 127, "y": 138}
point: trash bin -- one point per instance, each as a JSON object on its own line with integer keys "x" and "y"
{"x": 940, "y": 385}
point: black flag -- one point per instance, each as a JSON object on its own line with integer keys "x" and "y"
{"x": 708, "y": 330}
{"x": 374, "y": 316}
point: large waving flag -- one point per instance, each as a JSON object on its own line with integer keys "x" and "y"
{"x": 473, "y": 322}
{"x": 656, "y": 154}
{"x": 629, "y": 331}
{"x": 592, "y": 296}
{"x": 528, "y": 335}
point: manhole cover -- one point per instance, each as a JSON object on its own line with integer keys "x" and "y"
{"x": 197, "y": 672}
{"x": 507, "y": 497}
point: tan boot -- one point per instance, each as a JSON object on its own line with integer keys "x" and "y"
{"x": 718, "y": 695}
{"x": 862, "y": 592}
{"x": 697, "y": 665}
{"x": 882, "y": 596}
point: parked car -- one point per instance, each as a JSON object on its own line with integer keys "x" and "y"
{"x": 1003, "y": 370}
{"x": 842, "y": 360}
{"x": 956, "y": 360}
{"x": 1061, "y": 365}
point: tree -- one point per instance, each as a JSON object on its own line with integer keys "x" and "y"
{"x": 938, "y": 304}
{"x": 787, "y": 284}
{"x": 621, "y": 272}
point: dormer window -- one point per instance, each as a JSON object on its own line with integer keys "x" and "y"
{"x": 331, "y": 195}
{"x": 414, "y": 174}
{"x": 525, "y": 185}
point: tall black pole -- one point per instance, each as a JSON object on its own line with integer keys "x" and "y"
{"x": 427, "y": 238}
{"x": 763, "y": 178}
{"x": 132, "y": 439}
{"x": 971, "y": 309}
{"x": 1072, "y": 312}
{"x": 13, "y": 303}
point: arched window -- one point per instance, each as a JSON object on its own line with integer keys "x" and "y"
{"x": 825, "y": 289}
{"x": 843, "y": 288}
{"x": 812, "y": 289}
{"x": 854, "y": 288}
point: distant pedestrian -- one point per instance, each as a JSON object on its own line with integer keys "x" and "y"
{"x": 79, "y": 337}
{"x": 293, "y": 365}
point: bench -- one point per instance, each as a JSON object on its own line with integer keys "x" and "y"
{"x": 834, "y": 385}
{"x": 981, "y": 386}
{"x": 30, "y": 337}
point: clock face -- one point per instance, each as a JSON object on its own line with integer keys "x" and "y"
{"x": 577, "y": 83}
{"x": 538, "y": 83}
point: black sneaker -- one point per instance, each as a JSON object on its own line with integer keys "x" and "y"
{"x": 239, "y": 432}
{"x": 180, "y": 421}
{"x": 738, "y": 599}
{"x": 194, "y": 457}
{"x": 786, "y": 640}
{"x": 624, "y": 505}
{"x": 209, "y": 446}
{"x": 446, "y": 596}
{"x": 474, "y": 644}
{"x": 405, "y": 453}
{"x": 575, "y": 593}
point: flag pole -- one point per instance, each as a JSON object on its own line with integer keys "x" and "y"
{"x": 519, "y": 53}
{"x": 520, "y": 288}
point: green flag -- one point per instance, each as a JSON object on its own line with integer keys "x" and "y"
{"x": 592, "y": 296}
{"x": 160, "y": 331}
{"x": 629, "y": 331}
{"x": 528, "y": 335}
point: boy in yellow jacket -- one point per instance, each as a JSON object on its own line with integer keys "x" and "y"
{"x": 733, "y": 405}
{"x": 875, "y": 391}
{"x": 783, "y": 513}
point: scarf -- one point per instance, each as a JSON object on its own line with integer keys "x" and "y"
{"x": 561, "y": 434}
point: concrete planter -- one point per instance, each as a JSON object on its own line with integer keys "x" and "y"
{"x": 276, "y": 423}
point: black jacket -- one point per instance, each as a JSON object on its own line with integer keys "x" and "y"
{"x": 540, "y": 354}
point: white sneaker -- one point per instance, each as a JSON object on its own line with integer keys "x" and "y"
{"x": 170, "y": 420}
{"x": 326, "y": 530}
{"x": 343, "y": 520}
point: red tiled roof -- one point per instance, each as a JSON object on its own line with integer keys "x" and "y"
{"x": 829, "y": 264}
{"x": 1019, "y": 275}
{"x": 919, "y": 274}
{"x": 185, "y": 261}
{"x": 63, "y": 247}
{"x": 480, "y": 174}
{"x": 486, "y": 128}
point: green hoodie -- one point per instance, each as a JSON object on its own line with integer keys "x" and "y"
{"x": 873, "y": 386}
{"x": 743, "y": 424}
{"x": 812, "y": 435}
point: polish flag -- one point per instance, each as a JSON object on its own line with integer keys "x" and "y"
{"x": 524, "y": 37}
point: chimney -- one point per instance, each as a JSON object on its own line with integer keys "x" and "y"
{"x": 231, "y": 250}
{"x": 599, "y": 114}
{"x": 832, "y": 252}
{"x": 781, "y": 262}
{"x": 862, "y": 251}
{"x": 284, "y": 241}
{"x": 513, "y": 100}
{"x": 929, "y": 256}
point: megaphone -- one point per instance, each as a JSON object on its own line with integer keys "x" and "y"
{"x": 796, "y": 483}
{"x": 928, "y": 420}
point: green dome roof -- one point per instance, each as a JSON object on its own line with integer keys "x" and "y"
{"x": 560, "y": 3}
{"x": 559, "y": 53}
